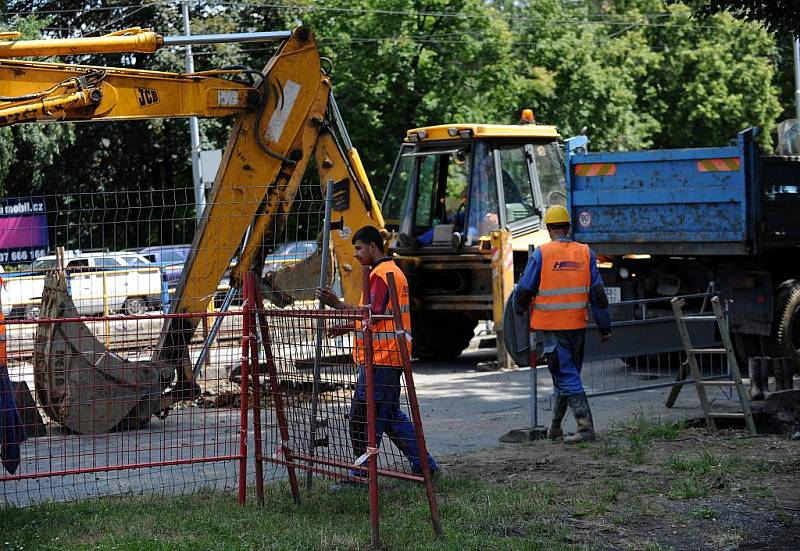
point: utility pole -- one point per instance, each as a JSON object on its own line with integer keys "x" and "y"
{"x": 194, "y": 128}
{"x": 797, "y": 78}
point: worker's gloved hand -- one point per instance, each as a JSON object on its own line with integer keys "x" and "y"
{"x": 605, "y": 335}
{"x": 522, "y": 300}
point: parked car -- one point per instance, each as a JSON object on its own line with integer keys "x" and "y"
{"x": 288, "y": 254}
{"x": 170, "y": 258}
{"x": 123, "y": 282}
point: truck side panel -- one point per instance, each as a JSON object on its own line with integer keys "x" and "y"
{"x": 672, "y": 202}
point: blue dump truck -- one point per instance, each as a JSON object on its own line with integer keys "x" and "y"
{"x": 670, "y": 222}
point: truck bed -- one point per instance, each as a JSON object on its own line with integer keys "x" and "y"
{"x": 679, "y": 202}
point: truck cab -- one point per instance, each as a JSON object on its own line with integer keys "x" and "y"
{"x": 451, "y": 187}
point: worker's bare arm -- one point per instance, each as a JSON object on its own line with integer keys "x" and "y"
{"x": 329, "y": 298}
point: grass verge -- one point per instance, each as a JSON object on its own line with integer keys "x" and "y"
{"x": 475, "y": 515}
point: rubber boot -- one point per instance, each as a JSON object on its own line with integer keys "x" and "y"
{"x": 777, "y": 371}
{"x": 559, "y": 410}
{"x": 787, "y": 379}
{"x": 764, "y": 373}
{"x": 754, "y": 371}
{"x": 788, "y": 372}
{"x": 583, "y": 418}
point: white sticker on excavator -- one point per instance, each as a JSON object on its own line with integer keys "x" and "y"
{"x": 228, "y": 98}
{"x": 281, "y": 114}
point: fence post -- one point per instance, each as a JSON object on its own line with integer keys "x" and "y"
{"x": 275, "y": 392}
{"x": 256, "y": 376}
{"x": 243, "y": 385}
{"x": 411, "y": 390}
{"x": 372, "y": 445}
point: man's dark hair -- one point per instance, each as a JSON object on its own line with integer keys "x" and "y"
{"x": 564, "y": 226}
{"x": 367, "y": 235}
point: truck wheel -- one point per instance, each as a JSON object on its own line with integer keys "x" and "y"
{"x": 440, "y": 336}
{"x": 134, "y": 306}
{"x": 786, "y": 331}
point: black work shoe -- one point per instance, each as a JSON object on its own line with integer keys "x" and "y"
{"x": 436, "y": 471}
{"x": 348, "y": 486}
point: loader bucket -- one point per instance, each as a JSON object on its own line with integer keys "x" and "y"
{"x": 295, "y": 282}
{"x": 79, "y": 382}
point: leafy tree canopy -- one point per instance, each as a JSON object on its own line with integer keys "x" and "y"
{"x": 782, "y": 16}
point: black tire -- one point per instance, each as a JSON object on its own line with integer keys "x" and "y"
{"x": 134, "y": 306}
{"x": 785, "y": 339}
{"x": 440, "y": 336}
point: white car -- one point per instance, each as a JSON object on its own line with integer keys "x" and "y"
{"x": 98, "y": 282}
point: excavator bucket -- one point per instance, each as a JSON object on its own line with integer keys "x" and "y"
{"x": 79, "y": 382}
{"x": 296, "y": 282}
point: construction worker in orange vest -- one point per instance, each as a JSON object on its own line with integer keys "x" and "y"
{"x": 386, "y": 359}
{"x": 561, "y": 281}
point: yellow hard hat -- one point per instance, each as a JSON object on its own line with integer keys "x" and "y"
{"x": 556, "y": 214}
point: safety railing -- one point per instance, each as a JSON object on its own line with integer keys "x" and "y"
{"x": 70, "y": 389}
{"x": 645, "y": 351}
{"x": 318, "y": 411}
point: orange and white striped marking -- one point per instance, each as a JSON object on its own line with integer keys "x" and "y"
{"x": 718, "y": 165}
{"x": 596, "y": 169}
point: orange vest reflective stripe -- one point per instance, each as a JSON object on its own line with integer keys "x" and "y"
{"x": 563, "y": 298}
{"x": 385, "y": 348}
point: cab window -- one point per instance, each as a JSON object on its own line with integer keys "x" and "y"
{"x": 550, "y": 171}
{"x": 395, "y": 201}
{"x": 517, "y": 191}
{"x": 483, "y": 213}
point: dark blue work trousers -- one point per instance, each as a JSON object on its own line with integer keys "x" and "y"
{"x": 563, "y": 351}
{"x": 389, "y": 418}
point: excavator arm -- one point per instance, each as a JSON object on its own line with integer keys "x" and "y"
{"x": 282, "y": 115}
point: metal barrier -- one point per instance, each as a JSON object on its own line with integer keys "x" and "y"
{"x": 321, "y": 413}
{"x": 644, "y": 353}
{"x": 195, "y": 445}
{"x": 307, "y": 417}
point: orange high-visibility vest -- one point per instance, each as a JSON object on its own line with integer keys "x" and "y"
{"x": 563, "y": 297}
{"x": 385, "y": 347}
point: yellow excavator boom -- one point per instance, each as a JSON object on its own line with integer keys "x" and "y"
{"x": 282, "y": 116}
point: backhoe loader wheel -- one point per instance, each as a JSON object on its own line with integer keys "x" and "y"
{"x": 785, "y": 339}
{"x": 440, "y": 336}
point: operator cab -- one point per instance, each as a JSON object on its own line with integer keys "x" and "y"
{"x": 453, "y": 184}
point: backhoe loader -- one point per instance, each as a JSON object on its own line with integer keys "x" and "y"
{"x": 282, "y": 113}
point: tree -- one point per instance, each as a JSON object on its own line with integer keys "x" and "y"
{"x": 644, "y": 73}
{"x": 25, "y": 151}
{"x": 399, "y": 64}
{"x": 781, "y": 16}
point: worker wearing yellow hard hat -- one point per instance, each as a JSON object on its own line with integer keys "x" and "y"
{"x": 556, "y": 215}
{"x": 560, "y": 283}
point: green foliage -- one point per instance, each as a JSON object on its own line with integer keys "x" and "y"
{"x": 637, "y": 73}
{"x": 398, "y": 65}
{"x": 779, "y": 15}
{"x": 26, "y": 151}
{"x": 647, "y": 74}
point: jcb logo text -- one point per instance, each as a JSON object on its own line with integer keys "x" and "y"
{"x": 146, "y": 96}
